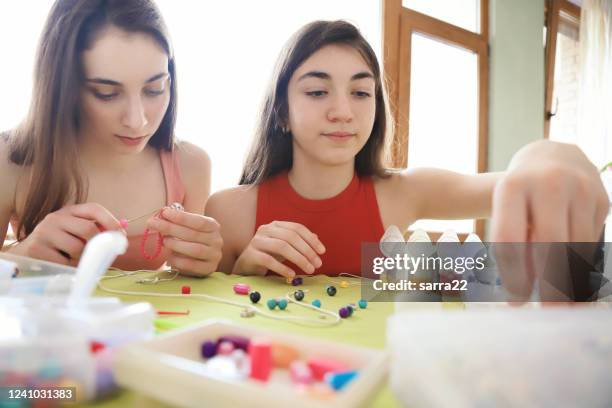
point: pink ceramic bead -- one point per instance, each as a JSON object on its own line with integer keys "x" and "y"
{"x": 300, "y": 373}
{"x": 225, "y": 348}
{"x": 242, "y": 288}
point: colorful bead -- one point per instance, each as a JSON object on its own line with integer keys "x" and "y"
{"x": 350, "y": 309}
{"x": 316, "y": 303}
{"x": 254, "y": 296}
{"x": 321, "y": 366}
{"x": 241, "y": 289}
{"x": 123, "y": 222}
{"x": 208, "y": 349}
{"x": 260, "y": 353}
{"x": 283, "y": 355}
{"x": 344, "y": 284}
{"x": 186, "y": 290}
{"x": 300, "y": 373}
{"x": 282, "y": 304}
{"x": 95, "y": 346}
{"x": 298, "y": 295}
{"x": 297, "y": 281}
{"x": 225, "y": 348}
{"x": 272, "y": 304}
{"x": 363, "y": 303}
{"x": 339, "y": 380}
{"x": 239, "y": 342}
{"x": 344, "y": 312}
{"x": 331, "y": 290}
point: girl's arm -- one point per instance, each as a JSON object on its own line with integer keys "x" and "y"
{"x": 234, "y": 209}
{"x": 193, "y": 238}
{"x": 550, "y": 193}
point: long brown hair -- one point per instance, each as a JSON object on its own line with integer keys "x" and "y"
{"x": 46, "y": 139}
{"x": 272, "y": 149}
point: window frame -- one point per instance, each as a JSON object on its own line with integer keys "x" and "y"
{"x": 399, "y": 23}
{"x": 553, "y": 11}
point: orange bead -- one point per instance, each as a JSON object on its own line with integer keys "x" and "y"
{"x": 283, "y": 355}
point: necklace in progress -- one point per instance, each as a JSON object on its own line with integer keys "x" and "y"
{"x": 159, "y": 239}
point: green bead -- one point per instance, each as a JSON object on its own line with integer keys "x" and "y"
{"x": 271, "y": 304}
{"x": 282, "y": 304}
{"x": 316, "y": 303}
{"x": 363, "y": 303}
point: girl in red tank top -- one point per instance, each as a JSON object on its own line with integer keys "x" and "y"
{"x": 319, "y": 146}
{"x": 316, "y": 189}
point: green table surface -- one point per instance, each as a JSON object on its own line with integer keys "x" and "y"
{"x": 365, "y": 328}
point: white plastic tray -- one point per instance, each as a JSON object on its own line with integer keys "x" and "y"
{"x": 169, "y": 368}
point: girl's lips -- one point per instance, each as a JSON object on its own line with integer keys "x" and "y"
{"x": 131, "y": 141}
{"x": 339, "y": 135}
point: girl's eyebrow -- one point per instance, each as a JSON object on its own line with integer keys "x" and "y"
{"x": 326, "y": 76}
{"x": 105, "y": 81}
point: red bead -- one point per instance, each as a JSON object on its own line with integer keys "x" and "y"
{"x": 185, "y": 290}
{"x": 260, "y": 352}
{"x": 95, "y": 346}
{"x": 321, "y": 366}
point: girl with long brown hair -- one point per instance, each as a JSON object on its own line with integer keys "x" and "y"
{"x": 98, "y": 144}
{"x": 315, "y": 187}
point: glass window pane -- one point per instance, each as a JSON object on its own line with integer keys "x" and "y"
{"x": 564, "y": 125}
{"x": 462, "y": 13}
{"x": 443, "y": 128}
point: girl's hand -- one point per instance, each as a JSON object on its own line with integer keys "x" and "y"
{"x": 61, "y": 236}
{"x": 278, "y": 241}
{"x": 551, "y": 193}
{"x": 195, "y": 240}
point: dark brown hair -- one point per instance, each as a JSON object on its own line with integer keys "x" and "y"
{"x": 46, "y": 140}
{"x": 272, "y": 149}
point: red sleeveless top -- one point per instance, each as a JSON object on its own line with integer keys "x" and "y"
{"x": 342, "y": 222}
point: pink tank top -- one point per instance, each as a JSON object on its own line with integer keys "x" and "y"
{"x": 175, "y": 192}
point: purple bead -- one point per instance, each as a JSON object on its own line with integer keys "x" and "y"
{"x": 297, "y": 281}
{"x": 343, "y": 312}
{"x": 239, "y": 342}
{"x": 209, "y": 349}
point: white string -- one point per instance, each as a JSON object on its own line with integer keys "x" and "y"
{"x": 246, "y": 306}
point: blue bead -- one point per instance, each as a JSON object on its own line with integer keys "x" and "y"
{"x": 271, "y": 304}
{"x": 254, "y": 296}
{"x": 282, "y": 304}
{"x": 340, "y": 380}
{"x": 316, "y": 303}
{"x": 363, "y": 303}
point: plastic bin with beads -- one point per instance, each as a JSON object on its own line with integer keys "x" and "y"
{"x": 53, "y": 333}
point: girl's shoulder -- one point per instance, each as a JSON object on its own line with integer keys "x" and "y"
{"x": 399, "y": 196}
{"x": 236, "y": 203}
{"x": 194, "y": 162}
